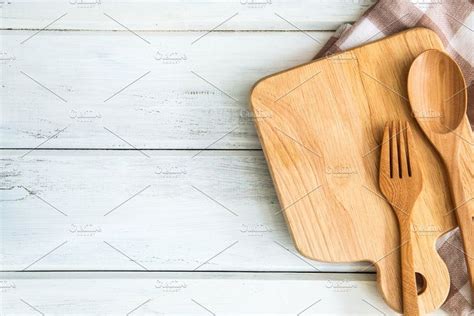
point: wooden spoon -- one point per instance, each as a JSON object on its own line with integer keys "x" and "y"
{"x": 438, "y": 97}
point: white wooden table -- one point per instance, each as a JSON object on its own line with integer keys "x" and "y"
{"x": 132, "y": 178}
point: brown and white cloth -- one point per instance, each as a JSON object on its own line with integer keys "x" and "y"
{"x": 453, "y": 21}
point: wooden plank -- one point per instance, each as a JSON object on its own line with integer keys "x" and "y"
{"x": 182, "y": 15}
{"x": 190, "y": 294}
{"x": 180, "y": 95}
{"x": 149, "y": 210}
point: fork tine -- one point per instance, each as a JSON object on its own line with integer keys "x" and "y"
{"x": 395, "y": 171}
{"x": 411, "y": 153}
{"x": 403, "y": 161}
{"x": 385, "y": 165}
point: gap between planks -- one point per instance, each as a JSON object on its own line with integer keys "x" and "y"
{"x": 172, "y": 30}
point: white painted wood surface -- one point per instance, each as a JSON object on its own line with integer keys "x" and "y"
{"x": 182, "y": 15}
{"x": 193, "y": 205}
{"x": 190, "y": 294}
{"x": 171, "y": 107}
{"x": 198, "y": 197}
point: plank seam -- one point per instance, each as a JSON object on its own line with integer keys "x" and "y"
{"x": 170, "y": 31}
{"x": 190, "y": 271}
{"x": 131, "y": 149}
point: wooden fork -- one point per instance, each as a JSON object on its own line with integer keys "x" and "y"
{"x": 400, "y": 180}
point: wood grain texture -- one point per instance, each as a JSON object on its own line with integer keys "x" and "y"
{"x": 322, "y": 144}
{"x": 438, "y": 95}
{"x": 182, "y": 15}
{"x": 175, "y": 293}
{"x": 87, "y": 68}
{"x": 401, "y": 182}
{"x": 171, "y": 225}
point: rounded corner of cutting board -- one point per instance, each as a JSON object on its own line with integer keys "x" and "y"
{"x": 255, "y": 91}
{"x": 425, "y": 32}
{"x": 419, "y": 29}
{"x": 260, "y": 87}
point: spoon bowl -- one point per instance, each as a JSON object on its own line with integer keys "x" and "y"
{"x": 437, "y": 92}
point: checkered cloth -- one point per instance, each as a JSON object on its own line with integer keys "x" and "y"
{"x": 453, "y": 21}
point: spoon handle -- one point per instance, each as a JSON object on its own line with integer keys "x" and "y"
{"x": 465, "y": 217}
{"x": 460, "y": 168}
{"x": 461, "y": 173}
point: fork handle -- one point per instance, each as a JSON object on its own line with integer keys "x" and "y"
{"x": 409, "y": 288}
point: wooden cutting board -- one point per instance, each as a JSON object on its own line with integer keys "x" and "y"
{"x": 321, "y": 126}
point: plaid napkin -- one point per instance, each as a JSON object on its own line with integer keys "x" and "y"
{"x": 453, "y": 21}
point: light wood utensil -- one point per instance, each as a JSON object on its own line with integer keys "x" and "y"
{"x": 321, "y": 126}
{"x": 438, "y": 96}
{"x": 401, "y": 182}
